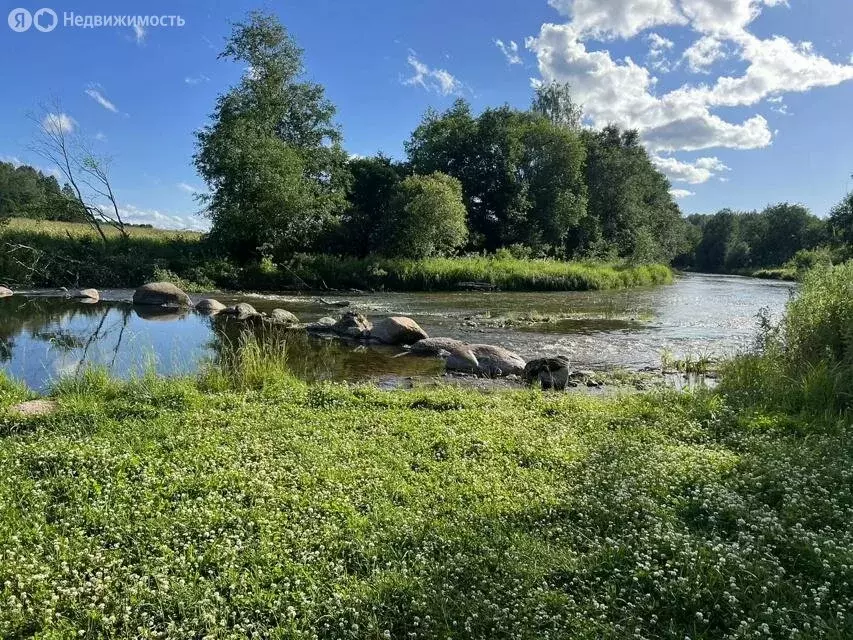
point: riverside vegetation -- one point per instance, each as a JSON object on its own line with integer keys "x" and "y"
{"x": 52, "y": 254}
{"x": 243, "y": 503}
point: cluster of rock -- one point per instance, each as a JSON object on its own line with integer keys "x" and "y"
{"x": 480, "y": 359}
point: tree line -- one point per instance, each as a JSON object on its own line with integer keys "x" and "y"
{"x": 780, "y": 234}
{"x": 26, "y": 192}
{"x": 529, "y": 181}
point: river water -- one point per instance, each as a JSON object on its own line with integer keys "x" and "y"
{"x": 44, "y": 336}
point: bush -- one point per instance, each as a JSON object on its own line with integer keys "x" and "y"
{"x": 804, "y": 363}
{"x": 428, "y": 218}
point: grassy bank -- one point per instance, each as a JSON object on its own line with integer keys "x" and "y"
{"x": 191, "y": 509}
{"x": 49, "y": 254}
{"x": 243, "y": 503}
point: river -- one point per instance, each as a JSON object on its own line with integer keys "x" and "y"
{"x": 44, "y": 336}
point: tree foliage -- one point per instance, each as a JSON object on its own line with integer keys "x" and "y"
{"x": 428, "y": 218}
{"x": 271, "y": 155}
{"x": 731, "y": 241}
{"x": 521, "y": 174}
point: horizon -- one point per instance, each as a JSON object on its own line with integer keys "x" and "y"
{"x": 740, "y": 104}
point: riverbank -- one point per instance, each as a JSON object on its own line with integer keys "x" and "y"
{"x": 240, "y": 504}
{"x": 50, "y": 254}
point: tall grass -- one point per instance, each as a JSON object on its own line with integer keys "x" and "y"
{"x": 805, "y": 362}
{"x": 55, "y": 254}
{"x": 442, "y": 274}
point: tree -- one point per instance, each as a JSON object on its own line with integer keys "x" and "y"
{"x": 520, "y": 174}
{"x": 841, "y": 220}
{"x": 91, "y": 192}
{"x": 271, "y": 156}
{"x": 554, "y": 101}
{"x": 374, "y": 184}
{"x": 628, "y": 201}
{"x": 428, "y": 218}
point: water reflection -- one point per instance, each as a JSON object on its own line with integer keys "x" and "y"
{"x": 42, "y": 338}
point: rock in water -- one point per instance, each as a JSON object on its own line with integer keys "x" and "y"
{"x": 461, "y": 358}
{"x": 87, "y": 294}
{"x": 551, "y": 373}
{"x": 283, "y": 317}
{"x": 352, "y": 325}
{"x": 161, "y": 294}
{"x": 323, "y": 325}
{"x": 434, "y": 346}
{"x": 5, "y": 292}
{"x": 209, "y": 305}
{"x": 497, "y": 361}
{"x": 398, "y": 330}
{"x": 243, "y": 311}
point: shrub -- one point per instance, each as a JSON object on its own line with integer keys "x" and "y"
{"x": 428, "y": 218}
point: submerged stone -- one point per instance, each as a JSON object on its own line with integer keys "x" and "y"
{"x": 209, "y": 305}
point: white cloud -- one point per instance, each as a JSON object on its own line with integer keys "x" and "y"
{"x": 776, "y": 65}
{"x": 13, "y": 160}
{"x": 658, "y": 46}
{"x": 196, "y": 79}
{"x": 100, "y": 136}
{"x": 99, "y": 97}
{"x": 188, "y": 188}
{"x": 510, "y": 51}
{"x": 678, "y": 194}
{"x": 620, "y": 91}
{"x": 697, "y": 172}
{"x": 136, "y": 215}
{"x": 58, "y": 123}
{"x": 703, "y": 53}
{"x": 139, "y": 33}
{"x": 618, "y": 18}
{"x": 438, "y": 80}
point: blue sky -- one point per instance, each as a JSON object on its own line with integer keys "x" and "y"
{"x": 741, "y": 102}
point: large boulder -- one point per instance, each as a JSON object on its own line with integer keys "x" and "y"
{"x": 243, "y": 311}
{"x": 461, "y": 358}
{"x": 283, "y": 317}
{"x": 352, "y": 325}
{"x": 161, "y": 294}
{"x": 209, "y": 306}
{"x": 86, "y": 294}
{"x": 435, "y": 346}
{"x": 550, "y": 373}
{"x": 496, "y": 361}
{"x": 5, "y": 292}
{"x": 398, "y": 330}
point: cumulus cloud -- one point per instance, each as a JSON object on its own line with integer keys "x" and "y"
{"x": 58, "y": 123}
{"x": 96, "y": 95}
{"x": 438, "y": 80}
{"x": 687, "y": 118}
{"x": 678, "y": 194}
{"x": 697, "y": 172}
{"x": 510, "y": 51}
{"x": 658, "y": 48}
{"x": 703, "y": 53}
